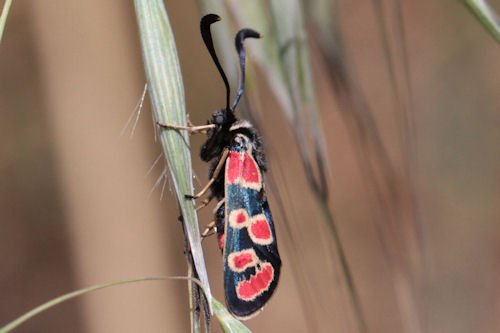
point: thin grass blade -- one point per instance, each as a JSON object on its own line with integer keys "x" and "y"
{"x": 3, "y": 17}
{"x": 228, "y": 323}
{"x": 486, "y": 15}
{"x": 66, "y": 297}
{"x": 166, "y": 91}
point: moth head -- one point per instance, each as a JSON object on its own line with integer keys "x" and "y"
{"x": 223, "y": 118}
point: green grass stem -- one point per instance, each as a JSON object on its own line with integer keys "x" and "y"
{"x": 485, "y": 14}
{"x": 166, "y": 92}
{"x": 3, "y": 17}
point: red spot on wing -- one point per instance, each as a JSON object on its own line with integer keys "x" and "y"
{"x": 221, "y": 240}
{"x": 250, "y": 170}
{"x": 234, "y": 167}
{"x": 238, "y": 218}
{"x": 242, "y": 260}
{"x": 258, "y": 283}
{"x": 260, "y": 229}
{"x": 241, "y": 218}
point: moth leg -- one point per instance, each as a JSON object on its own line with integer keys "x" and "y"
{"x": 219, "y": 204}
{"x": 191, "y": 129}
{"x": 209, "y": 230}
{"x": 190, "y": 124}
{"x": 214, "y": 176}
{"x": 205, "y": 202}
{"x": 216, "y": 225}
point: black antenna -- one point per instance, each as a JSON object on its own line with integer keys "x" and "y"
{"x": 205, "y": 23}
{"x": 238, "y": 41}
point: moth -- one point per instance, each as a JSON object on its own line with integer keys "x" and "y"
{"x": 243, "y": 220}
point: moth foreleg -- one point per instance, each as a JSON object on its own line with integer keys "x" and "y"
{"x": 217, "y": 170}
{"x": 191, "y": 128}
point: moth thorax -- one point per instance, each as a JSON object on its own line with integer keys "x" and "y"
{"x": 243, "y": 142}
{"x": 240, "y": 124}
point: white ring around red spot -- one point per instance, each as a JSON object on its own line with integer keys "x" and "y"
{"x": 251, "y": 177}
{"x": 242, "y": 169}
{"x": 239, "y": 261}
{"x": 238, "y": 218}
{"x": 259, "y": 230}
{"x": 256, "y": 285}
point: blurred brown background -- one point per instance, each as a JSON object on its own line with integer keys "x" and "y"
{"x": 75, "y": 203}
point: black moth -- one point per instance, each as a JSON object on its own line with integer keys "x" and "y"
{"x": 243, "y": 220}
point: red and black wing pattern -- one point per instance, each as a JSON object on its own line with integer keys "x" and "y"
{"x": 251, "y": 259}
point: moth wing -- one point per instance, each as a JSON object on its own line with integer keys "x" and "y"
{"x": 251, "y": 259}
